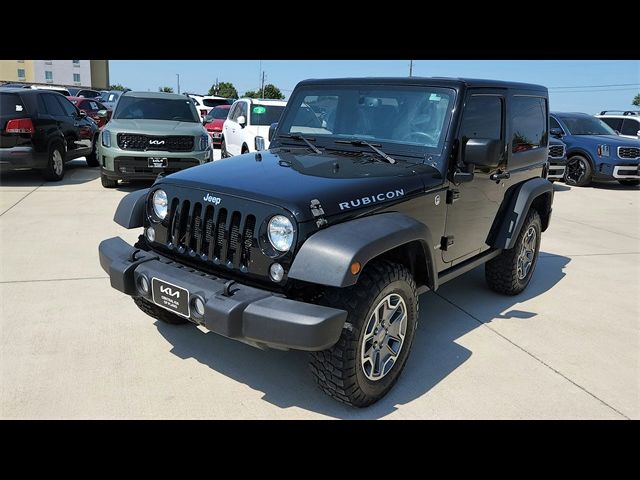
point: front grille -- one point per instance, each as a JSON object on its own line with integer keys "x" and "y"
{"x": 174, "y": 143}
{"x": 212, "y": 234}
{"x": 628, "y": 152}
{"x": 556, "y": 151}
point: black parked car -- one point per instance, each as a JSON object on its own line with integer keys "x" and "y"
{"x": 42, "y": 129}
{"x": 84, "y": 92}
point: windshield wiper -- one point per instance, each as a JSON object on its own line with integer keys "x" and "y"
{"x": 298, "y": 136}
{"x": 371, "y": 146}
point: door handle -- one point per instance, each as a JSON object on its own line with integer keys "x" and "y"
{"x": 500, "y": 176}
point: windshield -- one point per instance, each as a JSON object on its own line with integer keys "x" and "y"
{"x": 214, "y": 102}
{"x": 401, "y": 116}
{"x": 218, "y": 113}
{"x": 110, "y": 97}
{"x": 580, "y": 125}
{"x": 137, "y": 108}
{"x": 265, "y": 114}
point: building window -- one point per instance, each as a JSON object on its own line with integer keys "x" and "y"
{"x": 21, "y": 75}
{"x": 76, "y": 63}
{"x": 48, "y": 62}
{"x": 48, "y": 75}
{"x": 20, "y": 61}
{"x": 76, "y": 78}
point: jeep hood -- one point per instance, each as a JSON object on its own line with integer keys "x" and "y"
{"x": 155, "y": 127}
{"x": 343, "y": 184}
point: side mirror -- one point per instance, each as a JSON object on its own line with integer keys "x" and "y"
{"x": 556, "y": 132}
{"x": 242, "y": 121}
{"x": 484, "y": 152}
{"x": 102, "y": 113}
{"x": 272, "y": 129}
{"x": 82, "y": 113}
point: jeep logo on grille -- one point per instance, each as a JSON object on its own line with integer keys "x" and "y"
{"x": 210, "y": 198}
{"x": 169, "y": 291}
{"x": 156, "y": 142}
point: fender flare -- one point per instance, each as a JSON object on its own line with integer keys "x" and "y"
{"x": 519, "y": 203}
{"x": 131, "y": 209}
{"x": 325, "y": 258}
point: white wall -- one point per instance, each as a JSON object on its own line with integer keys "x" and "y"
{"x": 63, "y": 71}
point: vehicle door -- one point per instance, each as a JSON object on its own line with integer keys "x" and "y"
{"x": 80, "y": 133}
{"x": 630, "y": 128}
{"x": 56, "y": 114}
{"x": 232, "y": 129}
{"x": 473, "y": 205}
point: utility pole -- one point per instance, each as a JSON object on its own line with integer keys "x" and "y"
{"x": 216, "y": 92}
{"x": 262, "y": 90}
{"x": 178, "y": 75}
{"x": 410, "y": 68}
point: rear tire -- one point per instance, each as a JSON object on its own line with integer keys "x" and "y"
{"x": 108, "y": 182}
{"x": 629, "y": 183}
{"x": 372, "y": 350}
{"x": 92, "y": 158}
{"x": 511, "y": 271}
{"x": 159, "y": 313}
{"x": 578, "y": 171}
{"x": 223, "y": 149}
{"x": 54, "y": 171}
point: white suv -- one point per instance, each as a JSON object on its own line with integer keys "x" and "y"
{"x": 246, "y": 128}
{"x": 205, "y": 103}
{"x": 626, "y": 123}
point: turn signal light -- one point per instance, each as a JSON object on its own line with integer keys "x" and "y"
{"x": 20, "y": 125}
{"x": 355, "y": 268}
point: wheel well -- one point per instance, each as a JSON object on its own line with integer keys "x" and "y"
{"x": 245, "y": 148}
{"x": 584, "y": 154}
{"x": 542, "y": 204}
{"x": 413, "y": 257}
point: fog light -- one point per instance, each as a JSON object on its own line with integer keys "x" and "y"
{"x": 277, "y": 272}
{"x": 151, "y": 234}
{"x": 198, "y": 306}
{"x": 144, "y": 284}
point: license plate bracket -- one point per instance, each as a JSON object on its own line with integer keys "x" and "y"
{"x": 170, "y": 297}
{"x": 158, "y": 162}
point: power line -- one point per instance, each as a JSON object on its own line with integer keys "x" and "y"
{"x": 597, "y": 90}
{"x": 599, "y": 86}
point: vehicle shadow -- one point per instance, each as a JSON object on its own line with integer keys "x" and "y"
{"x": 560, "y": 187}
{"x": 284, "y": 379}
{"x": 614, "y": 186}
{"x": 133, "y": 185}
{"x": 76, "y": 173}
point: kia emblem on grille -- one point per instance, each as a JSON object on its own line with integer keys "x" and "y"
{"x": 156, "y": 142}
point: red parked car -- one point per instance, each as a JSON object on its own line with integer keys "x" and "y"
{"x": 91, "y": 107}
{"x": 216, "y": 118}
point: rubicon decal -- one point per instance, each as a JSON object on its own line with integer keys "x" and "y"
{"x": 211, "y": 199}
{"x": 380, "y": 197}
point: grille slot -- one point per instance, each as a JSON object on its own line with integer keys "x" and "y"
{"x": 556, "y": 151}
{"x": 628, "y": 152}
{"x": 172, "y": 143}
{"x": 221, "y": 236}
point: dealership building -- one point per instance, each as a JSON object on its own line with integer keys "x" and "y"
{"x": 80, "y": 73}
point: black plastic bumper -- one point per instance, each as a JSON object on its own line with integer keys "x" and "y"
{"x": 248, "y": 314}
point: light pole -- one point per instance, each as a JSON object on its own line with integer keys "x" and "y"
{"x": 410, "y": 68}
{"x": 178, "y": 75}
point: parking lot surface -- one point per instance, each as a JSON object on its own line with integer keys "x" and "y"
{"x": 73, "y": 347}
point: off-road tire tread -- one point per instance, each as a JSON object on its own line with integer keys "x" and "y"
{"x": 501, "y": 273}
{"x": 334, "y": 370}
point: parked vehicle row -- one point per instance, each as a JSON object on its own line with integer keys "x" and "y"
{"x": 204, "y": 103}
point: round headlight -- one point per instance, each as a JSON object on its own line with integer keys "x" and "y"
{"x": 280, "y": 233}
{"x": 160, "y": 203}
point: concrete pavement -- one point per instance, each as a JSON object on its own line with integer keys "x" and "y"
{"x": 72, "y": 347}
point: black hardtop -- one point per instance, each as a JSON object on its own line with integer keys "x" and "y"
{"x": 432, "y": 81}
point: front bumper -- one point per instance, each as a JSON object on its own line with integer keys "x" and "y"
{"x": 216, "y": 137}
{"x": 251, "y": 315}
{"x": 556, "y": 170}
{"x": 21, "y": 157}
{"x": 628, "y": 170}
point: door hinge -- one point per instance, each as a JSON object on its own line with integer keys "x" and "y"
{"x": 452, "y": 196}
{"x": 446, "y": 242}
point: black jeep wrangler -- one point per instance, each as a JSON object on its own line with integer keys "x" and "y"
{"x": 373, "y": 191}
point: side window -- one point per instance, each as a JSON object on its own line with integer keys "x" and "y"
{"x": 84, "y": 106}
{"x": 68, "y": 107}
{"x": 529, "y": 123}
{"x": 53, "y": 106}
{"x": 482, "y": 118}
{"x": 615, "y": 123}
{"x": 244, "y": 111}
{"x": 94, "y": 106}
{"x": 630, "y": 126}
{"x": 233, "y": 114}
{"x": 553, "y": 123}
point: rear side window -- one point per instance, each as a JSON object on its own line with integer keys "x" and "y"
{"x": 630, "y": 126}
{"x": 52, "y": 105}
{"x": 10, "y": 104}
{"x": 529, "y": 123}
{"x": 553, "y": 123}
{"x": 615, "y": 123}
{"x": 69, "y": 109}
{"x": 482, "y": 118}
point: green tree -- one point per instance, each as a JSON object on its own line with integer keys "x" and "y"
{"x": 636, "y": 100}
{"x": 224, "y": 89}
{"x": 270, "y": 91}
{"x": 165, "y": 89}
{"x": 118, "y": 87}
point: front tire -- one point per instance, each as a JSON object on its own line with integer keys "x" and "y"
{"x": 578, "y": 171}
{"x": 371, "y": 353}
{"x": 108, "y": 182}
{"x": 159, "y": 313}
{"x": 629, "y": 182}
{"x": 92, "y": 158}
{"x": 54, "y": 171}
{"x": 223, "y": 149}
{"x": 511, "y": 271}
